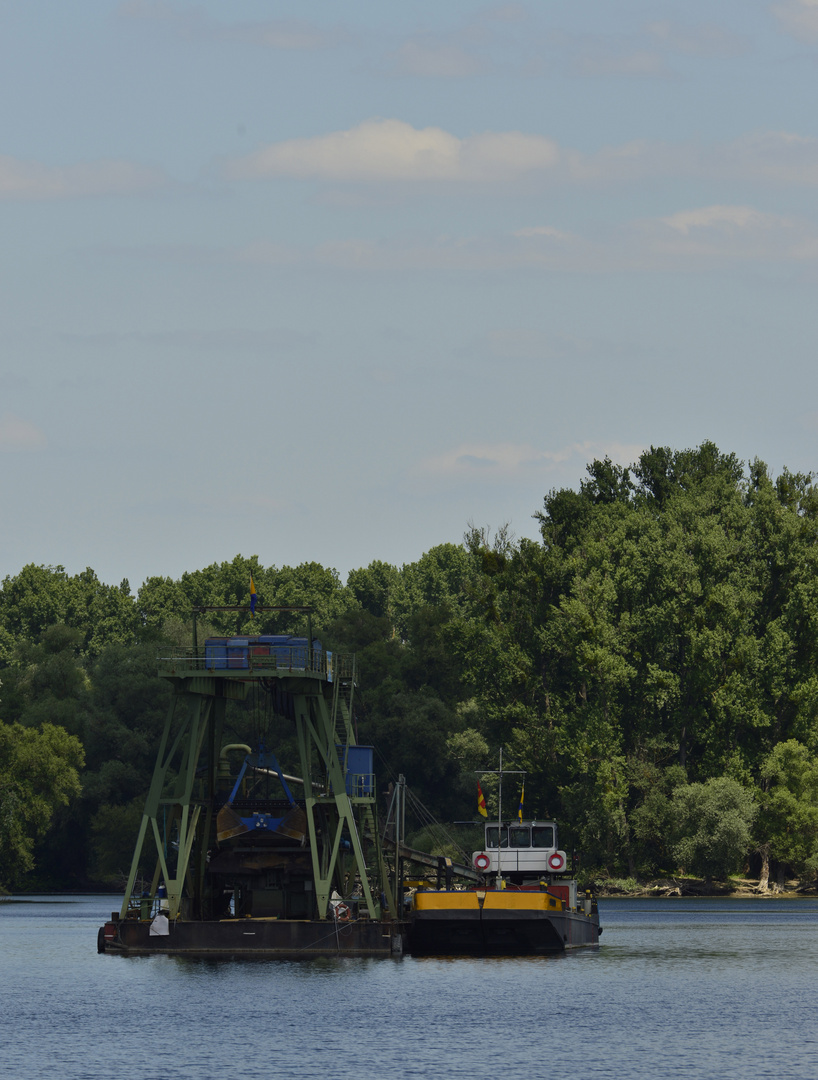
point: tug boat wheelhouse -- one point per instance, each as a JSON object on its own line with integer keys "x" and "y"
{"x": 526, "y": 902}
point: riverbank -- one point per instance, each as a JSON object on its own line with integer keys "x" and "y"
{"x": 735, "y": 887}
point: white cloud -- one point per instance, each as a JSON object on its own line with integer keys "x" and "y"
{"x": 798, "y": 18}
{"x": 285, "y": 34}
{"x": 602, "y": 61}
{"x": 431, "y": 58}
{"x": 466, "y": 253}
{"x": 542, "y": 230}
{"x": 506, "y": 13}
{"x": 704, "y": 39}
{"x": 392, "y": 150}
{"x": 686, "y": 240}
{"x": 723, "y": 217}
{"x": 19, "y": 434}
{"x": 507, "y": 461}
{"x": 777, "y": 157}
{"x": 724, "y": 234}
{"x": 193, "y": 24}
{"x": 33, "y": 180}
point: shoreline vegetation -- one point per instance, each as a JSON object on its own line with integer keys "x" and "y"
{"x": 674, "y": 887}
{"x": 668, "y": 888}
{"x": 648, "y": 664}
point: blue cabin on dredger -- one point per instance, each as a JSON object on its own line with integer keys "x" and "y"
{"x": 224, "y": 653}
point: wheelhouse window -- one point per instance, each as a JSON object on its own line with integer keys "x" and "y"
{"x": 542, "y": 836}
{"x": 491, "y": 837}
{"x": 519, "y": 836}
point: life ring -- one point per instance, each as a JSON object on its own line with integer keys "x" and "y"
{"x": 342, "y": 912}
{"x": 556, "y": 861}
{"x": 482, "y": 861}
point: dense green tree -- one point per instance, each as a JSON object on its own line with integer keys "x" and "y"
{"x": 713, "y": 823}
{"x": 788, "y": 822}
{"x": 662, "y": 629}
{"x": 39, "y": 772}
{"x": 374, "y": 587}
{"x": 40, "y": 596}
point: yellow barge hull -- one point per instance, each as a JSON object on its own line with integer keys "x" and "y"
{"x": 496, "y": 922}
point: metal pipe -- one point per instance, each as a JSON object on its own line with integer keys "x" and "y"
{"x": 224, "y": 764}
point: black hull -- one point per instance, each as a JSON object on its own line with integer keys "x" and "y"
{"x": 287, "y": 939}
{"x": 499, "y": 933}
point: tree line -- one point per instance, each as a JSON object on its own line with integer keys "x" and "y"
{"x": 649, "y": 661}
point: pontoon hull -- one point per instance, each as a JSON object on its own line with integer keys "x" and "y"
{"x": 282, "y": 938}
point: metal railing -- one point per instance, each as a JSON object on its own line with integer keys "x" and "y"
{"x": 258, "y": 660}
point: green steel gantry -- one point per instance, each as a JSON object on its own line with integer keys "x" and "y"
{"x": 183, "y": 790}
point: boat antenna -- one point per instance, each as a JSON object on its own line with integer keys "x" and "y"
{"x": 499, "y": 774}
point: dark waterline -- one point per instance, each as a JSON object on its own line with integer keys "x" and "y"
{"x": 678, "y": 988}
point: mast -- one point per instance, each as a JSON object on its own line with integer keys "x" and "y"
{"x": 499, "y": 774}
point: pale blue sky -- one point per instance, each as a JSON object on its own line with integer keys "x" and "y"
{"x": 322, "y": 281}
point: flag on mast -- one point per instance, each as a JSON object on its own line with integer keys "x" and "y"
{"x": 481, "y": 801}
{"x": 522, "y": 796}
{"x": 253, "y": 598}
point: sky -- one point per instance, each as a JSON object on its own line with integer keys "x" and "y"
{"x": 324, "y": 282}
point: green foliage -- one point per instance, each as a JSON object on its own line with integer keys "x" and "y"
{"x": 41, "y": 596}
{"x": 39, "y": 772}
{"x": 789, "y": 818}
{"x": 658, "y": 642}
{"x": 713, "y": 824}
{"x": 113, "y": 832}
{"x": 374, "y": 588}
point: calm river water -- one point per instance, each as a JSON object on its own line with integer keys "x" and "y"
{"x": 679, "y": 988}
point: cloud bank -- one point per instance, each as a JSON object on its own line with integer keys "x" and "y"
{"x": 17, "y": 434}
{"x": 506, "y": 461}
{"x": 686, "y": 240}
{"x": 392, "y": 151}
{"x": 799, "y": 18}
{"x": 193, "y": 24}
{"x": 33, "y": 180}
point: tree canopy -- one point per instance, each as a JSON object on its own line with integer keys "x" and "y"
{"x": 650, "y": 662}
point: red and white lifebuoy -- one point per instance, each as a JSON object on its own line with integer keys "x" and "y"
{"x": 342, "y": 912}
{"x": 482, "y": 861}
{"x": 556, "y": 861}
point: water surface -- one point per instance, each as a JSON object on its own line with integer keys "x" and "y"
{"x": 678, "y": 988}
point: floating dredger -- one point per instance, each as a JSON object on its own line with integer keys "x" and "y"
{"x": 253, "y": 861}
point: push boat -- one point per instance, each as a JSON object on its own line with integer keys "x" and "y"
{"x": 526, "y": 900}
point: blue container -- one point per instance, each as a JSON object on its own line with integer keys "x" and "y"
{"x": 258, "y": 646}
{"x": 216, "y": 653}
{"x": 276, "y": 643}
{"x": 298, "y": 652}
{"x": 237, "y": 650}
{"x": 360, "y": 774}
{"x": 278, "y": 647}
